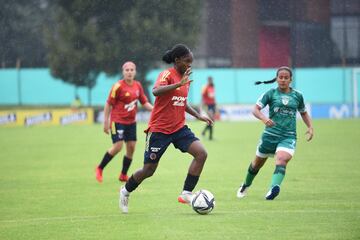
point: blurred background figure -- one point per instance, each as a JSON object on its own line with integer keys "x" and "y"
{"x": 209, "y": 105}
{"x": 76, "y": 103}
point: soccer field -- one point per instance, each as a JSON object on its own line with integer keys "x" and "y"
{"x": 48, "y": 188}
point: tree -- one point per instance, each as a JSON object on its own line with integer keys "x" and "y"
{"x": 21, "y": 33}
{"x": 88, "y": 37}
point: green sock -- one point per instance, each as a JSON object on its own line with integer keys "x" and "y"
{"x": 278, "y": 175}
{"x": 250, "y": 175}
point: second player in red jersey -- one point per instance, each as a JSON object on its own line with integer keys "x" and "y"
{"x": 120, "y": 118}
{"x": 123, "y": 99}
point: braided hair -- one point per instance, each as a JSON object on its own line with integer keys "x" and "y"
{"x": 178, "y": 51}
{"x": 274, "y": 79}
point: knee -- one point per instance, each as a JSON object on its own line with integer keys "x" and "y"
{"x": 283, "y": 161}
{"x": 131, "y": 148}
{"x": 115, "y": 149}
{"x": 202, "y": 155}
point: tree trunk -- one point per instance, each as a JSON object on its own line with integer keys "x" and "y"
{"x": 89, "y": 96}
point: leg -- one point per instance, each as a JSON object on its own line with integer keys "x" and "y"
{"x": 282, "y": 159}
{"x": 134, "y": 181}
{"x": 211, "y": 132}
{"x": 130, "y": 148}
{"x": 211, "y": 114}
{"x": 110, "y": 153}
{"x": 253, "y": 170}
{"x": 116, "y": 148}
{"x": 205, "y": 130}
{"x": 108, "y": 156}
{"x": 140, "y": 175}
{"x": 197, "y": 150}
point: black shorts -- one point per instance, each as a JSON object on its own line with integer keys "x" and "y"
{"x": 211, "y": 108}
{"x": 157, "y": 143}
{"x": 123, "y": 132}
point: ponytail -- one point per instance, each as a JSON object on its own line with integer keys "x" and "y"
{"x": 265, "y": 82}
{"x": 167, "y": 57}
{"x": 179, "y": 50}
{"x": 274, "y": 79}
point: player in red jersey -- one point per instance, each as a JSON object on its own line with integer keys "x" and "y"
{"x": 167, "y": 125}
{"x": 119, "y": 118}
{"x": 208, "y": 101}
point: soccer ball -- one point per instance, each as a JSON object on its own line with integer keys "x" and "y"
{"x": 203, "y": 202}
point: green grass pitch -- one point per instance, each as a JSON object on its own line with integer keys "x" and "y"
{"x": 48, "y": 189}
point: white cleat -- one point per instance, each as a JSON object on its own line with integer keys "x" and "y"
{"x": 185, "y": 197}
{"x": 242, "y": 191}
{"x": 123, "y": 201}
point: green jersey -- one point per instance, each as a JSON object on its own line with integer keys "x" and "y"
{"x": 282, "y": 110}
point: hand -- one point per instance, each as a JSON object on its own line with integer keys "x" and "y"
{"x": 185, "y": 79}
{"x": 268, "y": 122}
{"x": 206, "y": 119}
{"x": 106, "y": 127}
{"x": 309, "y": 133}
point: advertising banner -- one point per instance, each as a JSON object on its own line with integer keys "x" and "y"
{"x": 46, "y": 117}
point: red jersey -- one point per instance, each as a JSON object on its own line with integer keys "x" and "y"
{"x": 168, "y": 114}
{"x": 123, "y": 100}
{"x": 208, "y": 95}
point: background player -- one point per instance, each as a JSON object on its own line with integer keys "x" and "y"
{"x": 119, "y": 118}
{"x": 209, "y": 104}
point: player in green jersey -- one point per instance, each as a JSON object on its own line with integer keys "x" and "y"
{"x": 279, "y": 136}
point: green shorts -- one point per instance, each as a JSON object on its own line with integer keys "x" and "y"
{"x": 270, "y": 144}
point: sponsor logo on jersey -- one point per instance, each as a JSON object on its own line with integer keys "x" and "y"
{"x": 130, "y": 106}
{"x": 285, "y": 111}
{"x": 178, "y": 101}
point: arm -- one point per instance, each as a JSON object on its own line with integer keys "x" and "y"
{"x": 164, "y": 89}
{"x": 107, "y": 110}
{"x": 307, "y": 120}
{"x": 259, "y": 115}
{"x": 195, "y": 114}
{"x": 148, "y": 106}
{"x": 160, "y": 90}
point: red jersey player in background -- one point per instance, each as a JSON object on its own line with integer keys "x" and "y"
{"x": 119, "y": 118}
{"x": 208, "y": 101}
{"x": 167, "y": 125}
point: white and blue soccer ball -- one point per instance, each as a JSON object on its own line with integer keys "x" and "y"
{"x": 203, "y": 202}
